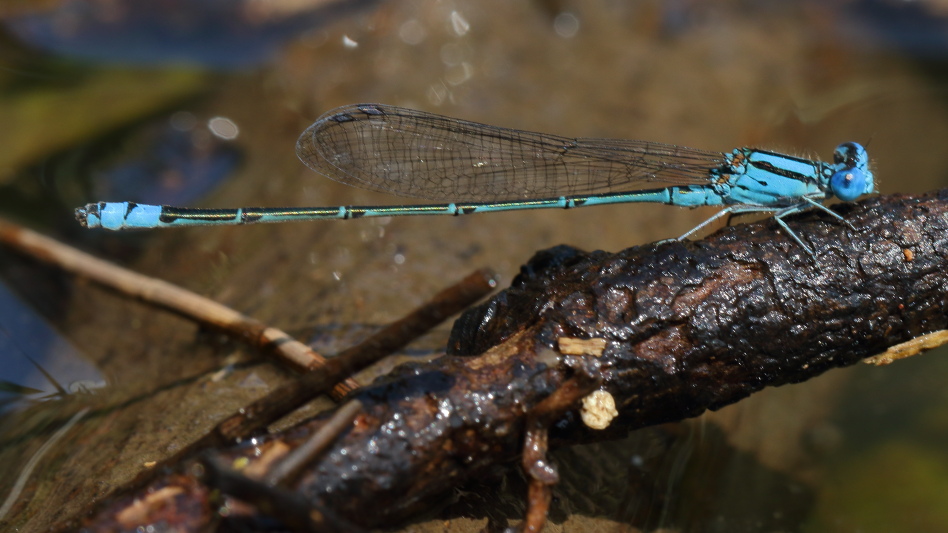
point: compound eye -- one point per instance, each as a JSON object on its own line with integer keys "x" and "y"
{"x": 838, "y": 157}
{"x": 845, "y": 154}
{"x": 850, "y": 155}
{"x": 848, "y": 184}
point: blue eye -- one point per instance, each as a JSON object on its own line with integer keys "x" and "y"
{"x": 852, "y": 178}
{"x": 848, "y": 184}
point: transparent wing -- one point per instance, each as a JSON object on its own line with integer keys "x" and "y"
{"x": 422, "y": 155}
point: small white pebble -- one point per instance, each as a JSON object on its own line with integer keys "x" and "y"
{"x": 599, "y": 408}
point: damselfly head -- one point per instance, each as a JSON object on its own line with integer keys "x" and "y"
{"x": 852, "y": 177}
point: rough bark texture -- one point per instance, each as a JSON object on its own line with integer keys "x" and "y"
{"x": 689, "y": 326}
{"x": 695, "y": 326}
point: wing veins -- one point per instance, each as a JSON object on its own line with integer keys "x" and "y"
{"x": 423, "y": 155}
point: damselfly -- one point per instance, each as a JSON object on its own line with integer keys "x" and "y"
{"x": 481, "y": 168}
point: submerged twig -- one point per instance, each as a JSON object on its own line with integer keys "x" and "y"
{"x": 688, "y": 326}
{"x": 27, "y": 468}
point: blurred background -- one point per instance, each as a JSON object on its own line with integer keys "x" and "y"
{"x": 200, "y": 103}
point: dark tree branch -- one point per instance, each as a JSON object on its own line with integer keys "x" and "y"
{"x": 697, "y": 326}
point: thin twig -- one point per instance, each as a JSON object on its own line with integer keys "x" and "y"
{"x": 909, "y": 348}
{"x": 293, "y": 394}
{"x": 284, "y": 471}
{"x": 167, "y": 296}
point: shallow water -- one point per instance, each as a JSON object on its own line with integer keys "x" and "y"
{"x": 204, "y": 107}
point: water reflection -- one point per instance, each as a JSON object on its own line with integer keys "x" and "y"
{"x": 36, "y": 362}
{"x": 215, "y": 34}
{"x": 175, "y": 161}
